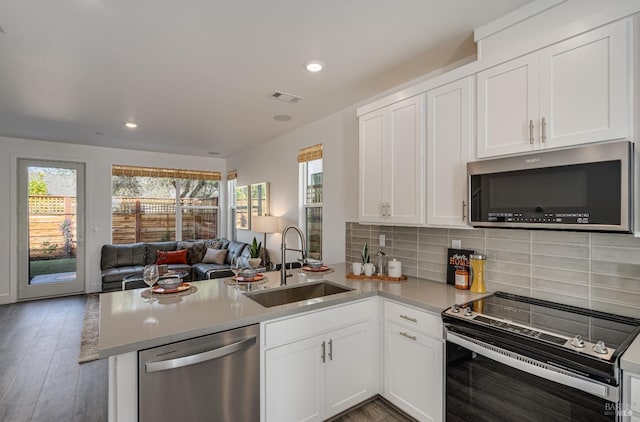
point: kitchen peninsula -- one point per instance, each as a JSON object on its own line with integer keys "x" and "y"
{"x": 128, "y": 324}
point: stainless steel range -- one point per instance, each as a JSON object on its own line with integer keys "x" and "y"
{"x": 511, "y": 357}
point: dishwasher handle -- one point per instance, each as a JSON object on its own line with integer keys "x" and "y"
{"x": 164, "y": 365}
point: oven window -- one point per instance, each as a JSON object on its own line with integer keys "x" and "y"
{"x": 481, "y": 389}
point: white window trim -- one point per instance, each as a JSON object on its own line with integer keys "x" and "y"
{"x": 302, "y": 201}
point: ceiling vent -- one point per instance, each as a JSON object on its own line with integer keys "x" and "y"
{"x": 286, "y": 98}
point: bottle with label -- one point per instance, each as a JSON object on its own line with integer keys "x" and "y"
{"x": 462, "y": 279}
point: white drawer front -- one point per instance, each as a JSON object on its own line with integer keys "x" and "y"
{"x": 297, "y": 327}
{"x": 413, "y": 318}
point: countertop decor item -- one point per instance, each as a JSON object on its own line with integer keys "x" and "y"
{"x": 458, "y": 265}
{"x": 352, "y": 276}
{"x": 366, "y": 258}
{"x": 314, "y": 264}
{"x": 180, "y": 288}
{"x": 381, "y": 262}
{"x": 394, "y": 268}
{"x": 169, "y": 283}
{"x": 320, "y": 269}
{"x": 477, "y": 270}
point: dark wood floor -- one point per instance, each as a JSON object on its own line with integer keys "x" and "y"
{"x": 377, "y": 410}
{"x": 40, "y": 378}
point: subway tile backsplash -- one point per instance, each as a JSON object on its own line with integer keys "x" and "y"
{"x": 596, "y": 270}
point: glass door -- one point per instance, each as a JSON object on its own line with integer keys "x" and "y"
{"x": 50, "y": 228}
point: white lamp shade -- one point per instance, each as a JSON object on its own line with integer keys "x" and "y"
{"x": 265, "y": 224}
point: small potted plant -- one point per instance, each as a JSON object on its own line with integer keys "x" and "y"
{"x": 365, "y": 254}
{"x": 254, "y": 253}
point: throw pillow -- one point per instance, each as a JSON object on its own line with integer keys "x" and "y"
{"x": 214, "y": 244}
{"x": 172, "y": 257}
{"x": 195, "y": 250}
{"x": 215, "y": 256}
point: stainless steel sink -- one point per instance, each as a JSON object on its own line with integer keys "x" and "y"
{"x": 297, "y": 293}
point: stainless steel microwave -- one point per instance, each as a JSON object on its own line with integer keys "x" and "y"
{"x": 584, "y": 188}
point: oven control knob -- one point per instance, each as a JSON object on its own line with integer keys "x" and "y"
{"x": 467, "y": 311}
{"x": 455, "y": 308}
{"x": 577, "y": 342}
{"x": 600, "y": 348}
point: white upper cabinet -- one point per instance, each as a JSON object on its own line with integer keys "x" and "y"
{"x": 449, "y": 128}
{"x": 571, "y": 93}
{"x": 392, "y": 164}
{"x": 584, "y": 87}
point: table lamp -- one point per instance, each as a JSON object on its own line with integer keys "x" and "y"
{"x": 265, "y": 224}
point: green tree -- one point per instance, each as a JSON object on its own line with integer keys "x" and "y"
{"x": 37, "y": 185}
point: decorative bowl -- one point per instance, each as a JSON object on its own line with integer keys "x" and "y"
{"x": 314, "y": 264}
{"x": 248, "y": 273}
{"x": 169, "y": 283}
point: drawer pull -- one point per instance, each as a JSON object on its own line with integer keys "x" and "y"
{"x": 408, "y": 318}
{"x": 408, "y": 336}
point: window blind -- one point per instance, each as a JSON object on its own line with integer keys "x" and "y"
{"x": 232, "y": 174}
{"x": 118, "y": 170}
{"x": 311, "y": 153}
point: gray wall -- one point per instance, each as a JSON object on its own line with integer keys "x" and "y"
{"x": 600, "y": 271}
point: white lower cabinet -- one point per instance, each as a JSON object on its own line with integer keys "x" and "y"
{"x": 630, "y": 409}
{"x": 329, "y": 370}
{"x": 413, "y": 361}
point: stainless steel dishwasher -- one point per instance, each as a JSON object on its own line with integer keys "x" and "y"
{"x": 210, "y": 378}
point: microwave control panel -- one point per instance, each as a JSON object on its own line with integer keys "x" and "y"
{"x": 520, "y": 217}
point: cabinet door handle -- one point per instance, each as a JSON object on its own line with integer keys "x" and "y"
{"x": 543, "y": 130}
{"x": 464, "y": 208}
{"x": 408, "y": 318}
{"x": 330, "y": 349}
{"x": 388, "y": 210}
{"x": 324, "y": 350}
{"x": 531, "y": 132}
{"x": 383, "y": 209}
{"x": 402, "y": 333}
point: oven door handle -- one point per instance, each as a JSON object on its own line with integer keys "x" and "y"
{"x": 533, "y": 367}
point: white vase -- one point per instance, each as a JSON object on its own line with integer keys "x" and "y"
{"x": 254, "y": 262}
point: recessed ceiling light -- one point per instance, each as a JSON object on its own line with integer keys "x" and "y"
{"x": 131, "y": 125}
{"x": 314, "y": 66}
{"x": 282, "y": 117}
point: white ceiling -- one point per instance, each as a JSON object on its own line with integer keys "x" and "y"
{"x": 196, "y": 75}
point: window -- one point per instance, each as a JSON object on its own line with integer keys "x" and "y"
{"x": 151, "y": 205}
{"x": 310, "y": 160}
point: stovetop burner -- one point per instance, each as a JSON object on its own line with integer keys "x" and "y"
{"x": 598, "y": 335}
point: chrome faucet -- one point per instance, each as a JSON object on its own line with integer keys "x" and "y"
{"x": 283, "y": 271}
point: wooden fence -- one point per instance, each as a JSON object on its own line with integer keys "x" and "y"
{"x": 47, "y": 214}
{"x": 153, "y": 219}
{"x": 133, "y": 220}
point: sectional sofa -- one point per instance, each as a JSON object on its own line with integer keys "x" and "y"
{"x": 203, "y": 259}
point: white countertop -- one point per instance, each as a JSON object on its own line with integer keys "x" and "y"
{"x": 128, "y": 323}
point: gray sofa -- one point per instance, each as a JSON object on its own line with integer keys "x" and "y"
{"x": 119, "y": 261}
